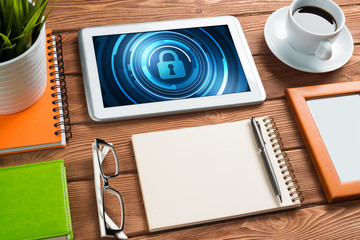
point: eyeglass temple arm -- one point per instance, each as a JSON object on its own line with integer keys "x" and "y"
{"x": 109, "y": 222}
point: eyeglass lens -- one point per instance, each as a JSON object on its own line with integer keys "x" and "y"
{"x": 113, "y": 207}
{"x": 109, "y": 165}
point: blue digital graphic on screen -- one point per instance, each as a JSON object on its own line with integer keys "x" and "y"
{"x": 156, "y": 66}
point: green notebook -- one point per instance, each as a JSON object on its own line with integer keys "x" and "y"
{"x": 34, "y": 202}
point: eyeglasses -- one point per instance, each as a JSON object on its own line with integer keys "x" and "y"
{"x": 109, "y": 202}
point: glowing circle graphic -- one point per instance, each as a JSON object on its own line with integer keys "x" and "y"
{"x": 168, "y": 65}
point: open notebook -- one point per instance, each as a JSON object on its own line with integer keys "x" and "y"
{"x": 195, "y": 175}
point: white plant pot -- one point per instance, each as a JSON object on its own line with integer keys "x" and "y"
{"x": 23, "y": 79}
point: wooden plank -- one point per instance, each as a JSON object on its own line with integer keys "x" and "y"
{"x": 83, "y": 208}
{"x": 73, "y": 15}
{"x": 276, "y": 76}
{"x": 336, "y": 221}
{"x": 79, "y": 111}
{"x": 316, "y": 220}
{"x": 306, "y": 176}
{"x": 275, "y": 80}
{"x": 253, "y": 27}
{"x": 84, "y": 212}
{"x": 78, "y": 154}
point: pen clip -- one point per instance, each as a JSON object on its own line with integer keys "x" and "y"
{"x": 259, "y": 127}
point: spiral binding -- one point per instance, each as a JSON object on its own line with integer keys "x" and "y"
{"x": 283, "y": 160}
{"x": 59, "y": 85}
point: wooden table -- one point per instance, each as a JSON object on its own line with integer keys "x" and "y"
{"x": 314, "y": 220}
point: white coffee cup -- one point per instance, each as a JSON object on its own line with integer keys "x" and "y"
{"x": 309, "y": 42}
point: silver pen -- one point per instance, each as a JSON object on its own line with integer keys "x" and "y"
{"x": 265, "y": 157}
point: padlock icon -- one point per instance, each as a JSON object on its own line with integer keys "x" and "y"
{"x": 170, "y": 69}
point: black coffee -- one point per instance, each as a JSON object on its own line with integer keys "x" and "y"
{"x": 315, "y": 19}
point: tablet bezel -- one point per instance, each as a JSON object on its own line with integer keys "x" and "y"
{"x": 98, "y": 112}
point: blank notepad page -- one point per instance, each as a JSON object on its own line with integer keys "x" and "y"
{"x": 338, "y": 121}
{"x": 195, "y": 175}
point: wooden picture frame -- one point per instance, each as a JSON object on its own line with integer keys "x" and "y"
{"x": 334, "y": 188}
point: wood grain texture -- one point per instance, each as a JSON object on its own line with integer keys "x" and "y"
{"x": 337, "y": 221}
{"x": 253, "y": 27}
{"x": 275, "y": 75}
{"x": 314, "y": 220}
{"x": 83, "y": 208}
{"x": 74, "y": 15}
{"x": 84, "y": 212}
{"x": 78, "y": 153}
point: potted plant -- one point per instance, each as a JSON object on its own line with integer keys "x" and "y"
{"x": 23, "y": 70}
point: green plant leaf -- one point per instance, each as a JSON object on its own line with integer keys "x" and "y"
{"x": 42, "y": 23}
{"x": 17, "y": 38}
{"x": 20, "y": 22}
{"x": 2, "y": 15}
{"x": 5, "y": 39}
{"x": 33, "y": 20}
{"x": 9, "y": 17}
{"x": 24, "y": 43}
{"x": 17, "y": 13}
{"x": 26, "y": 4}
{"x": 7, "y": 45}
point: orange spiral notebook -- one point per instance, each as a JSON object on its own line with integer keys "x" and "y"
{"x": 46, "y": 124}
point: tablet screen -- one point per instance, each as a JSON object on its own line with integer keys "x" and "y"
{"x": 145, "y": 67}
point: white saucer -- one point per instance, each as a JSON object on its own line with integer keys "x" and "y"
{"x": 276, "y": 39}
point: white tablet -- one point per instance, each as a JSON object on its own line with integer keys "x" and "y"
{"x": 146, "y": 69}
